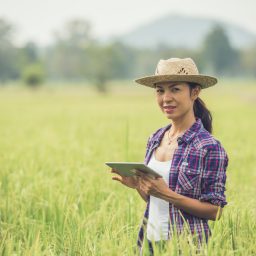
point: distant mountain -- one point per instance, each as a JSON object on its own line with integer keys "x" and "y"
{"x": 183, "y": 31}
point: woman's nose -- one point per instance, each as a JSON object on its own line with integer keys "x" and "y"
{"x": 167, "y": 97}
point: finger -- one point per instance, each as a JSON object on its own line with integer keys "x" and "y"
{"x": 138, "y": 179}
{"x": 141, "y": 187}
{"x": 144, "y": 178}
{"x": 117, "y": 178}
{"x": 144, "y": 183}
{"x": 113, "y": 170}
{"x": 139, "y": 173}
{"x": 143, "y": 175}
{"x": 144, "y": 189}
{"x": 149, "y": 177}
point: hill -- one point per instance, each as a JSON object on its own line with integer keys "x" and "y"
{"x": 183, "y": 31}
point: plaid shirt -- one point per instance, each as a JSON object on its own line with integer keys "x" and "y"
{"x": 198, "y": 170}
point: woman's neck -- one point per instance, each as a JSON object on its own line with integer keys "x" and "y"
{"x": 182, "y": 124}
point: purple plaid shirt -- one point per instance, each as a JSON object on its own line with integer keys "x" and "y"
{"x": 198, "y": 171}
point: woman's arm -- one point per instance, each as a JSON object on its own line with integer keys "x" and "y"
{"x": 194, "y": 206}
{"x": 158, "y": 188}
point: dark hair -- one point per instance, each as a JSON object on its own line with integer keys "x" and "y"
{"x": 201, "y": 111}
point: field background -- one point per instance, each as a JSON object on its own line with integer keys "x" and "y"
{"x": 56, "y": 194}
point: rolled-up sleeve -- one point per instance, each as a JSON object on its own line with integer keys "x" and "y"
{"x": 147, "y": 147}
{"x": 214, "y": 176}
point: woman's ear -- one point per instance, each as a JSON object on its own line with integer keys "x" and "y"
{"x": 195, "y": 92}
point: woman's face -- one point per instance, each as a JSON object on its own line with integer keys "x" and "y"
{"x": 175, "y": 99}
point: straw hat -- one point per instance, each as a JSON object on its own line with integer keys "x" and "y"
{"x": 177, "y": 70}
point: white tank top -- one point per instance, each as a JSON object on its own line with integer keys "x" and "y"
{"x": 158, "y": 221}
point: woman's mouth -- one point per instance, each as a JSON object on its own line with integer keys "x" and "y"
{"x": 169, "y": 109}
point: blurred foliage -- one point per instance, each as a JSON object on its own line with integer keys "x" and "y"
{"x": 108, "y": 62}
{"x": 8, "y": 53}
{"x": 218, "y": 53}
{"x": 76, "y": 55}
{"x": 33, "y": 75}
{"x": 248, "y": 60}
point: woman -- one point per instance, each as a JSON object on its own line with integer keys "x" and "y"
{"x": 191, "y": 161}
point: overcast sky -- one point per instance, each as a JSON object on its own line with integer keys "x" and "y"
{"x": 37, "y": 19}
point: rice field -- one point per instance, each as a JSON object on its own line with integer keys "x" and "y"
{"x": 56, "y": 194}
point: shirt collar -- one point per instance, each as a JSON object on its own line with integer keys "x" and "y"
{"x": 192, "y": 131}
{"x": 187, "y": 136}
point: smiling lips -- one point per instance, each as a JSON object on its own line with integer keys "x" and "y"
{"x": 169, "y": 109}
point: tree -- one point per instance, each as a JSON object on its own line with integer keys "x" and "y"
{"x": 75, "y": 33}
{"x": 123, "y": 60}
{"x": 8, "y": 53}
{"x": 33, "y": 75}
{"x": 30, "y": 53}
{"x": 67, "y": 57}
{"x": 248, "y": 61}
{"x": 217, "y": 52}
{"x": 100, "y": 68}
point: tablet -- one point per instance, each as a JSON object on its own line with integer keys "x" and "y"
{"x": 129, "y": 169}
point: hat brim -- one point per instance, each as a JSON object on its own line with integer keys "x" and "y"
{"x": 202, "y": 80}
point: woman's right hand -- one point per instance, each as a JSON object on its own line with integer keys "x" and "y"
{"x": 131, "y": 182}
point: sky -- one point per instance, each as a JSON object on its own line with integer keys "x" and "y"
{"x": 36, "y": 20}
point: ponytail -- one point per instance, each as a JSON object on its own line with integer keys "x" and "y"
{"x": 201, "y": 111}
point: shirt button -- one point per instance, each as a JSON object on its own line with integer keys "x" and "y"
{"x": 179, "y": 140}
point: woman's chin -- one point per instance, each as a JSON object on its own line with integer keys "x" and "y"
{"x": 170, "y": 116}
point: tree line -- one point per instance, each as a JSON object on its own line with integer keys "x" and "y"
{"x": 75, "y": 55}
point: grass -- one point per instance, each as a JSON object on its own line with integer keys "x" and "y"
{"x": 56, "y": 194}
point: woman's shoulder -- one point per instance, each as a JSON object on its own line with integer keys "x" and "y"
{"x": 206, "y": 141}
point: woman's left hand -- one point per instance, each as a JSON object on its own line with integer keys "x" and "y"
{"x": 154, "y": 186}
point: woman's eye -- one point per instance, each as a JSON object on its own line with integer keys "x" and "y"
{"x": 175, "y": 89}
{"x": 159, "y": 91}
